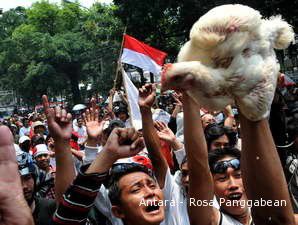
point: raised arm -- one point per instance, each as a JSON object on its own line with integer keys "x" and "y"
{"x": 60, "y": 127}
{"x": 263, "y": 175}
{"x": 200, "y": 179}
{"x": 229, "y": 120}
{"x": 116, "y": 148}
{"x": 146, "y": 99}
{"x": 81, "y": 194}
{"x": 93, "y": 125}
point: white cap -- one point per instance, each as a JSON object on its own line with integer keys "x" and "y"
{"x": 38, "y": 123}
{"x": 23, "y": 139}
{"x": 40, "y": 150}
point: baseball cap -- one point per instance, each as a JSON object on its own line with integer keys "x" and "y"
{"x": 38, "y": 123}
{"x": 23, "y": 139}
{"x": 40, "y": 150}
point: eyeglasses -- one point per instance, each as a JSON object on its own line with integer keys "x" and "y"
{"x": 222, "y": 166}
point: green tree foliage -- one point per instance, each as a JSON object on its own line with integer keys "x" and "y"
{"x": 165, "y": 24}
{"x": 51, "y": 49}
{"x": 10, "y": 20}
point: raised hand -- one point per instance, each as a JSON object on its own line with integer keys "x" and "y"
{"x": 14, "y": 209}
{"x": 147, "y": 95}
{"x": 94, "y": 127}
{"x": 178, "y": 104}
{"x": 164, "y": 132}
{"x": 178, "y": 98}
{"x": 59, "y": 121}
{"x": 124, "y": 142}
{"x": 228, "y": 111}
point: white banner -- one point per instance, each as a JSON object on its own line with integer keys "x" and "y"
{"x": 132, "y": 98}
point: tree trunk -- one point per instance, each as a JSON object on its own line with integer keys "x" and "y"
{"x": 74, "y": 82}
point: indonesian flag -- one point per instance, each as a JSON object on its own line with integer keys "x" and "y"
{"x": 138, "y": 54}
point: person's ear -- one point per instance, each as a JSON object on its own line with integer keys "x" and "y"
{"x": 117, "y": 211}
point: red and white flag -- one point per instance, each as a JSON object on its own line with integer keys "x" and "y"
{"x": 139, "y": 54}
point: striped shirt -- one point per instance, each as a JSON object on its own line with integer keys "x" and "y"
{"x": 79, "y": 198}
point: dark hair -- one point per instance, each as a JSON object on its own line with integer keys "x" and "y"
{"x": 213, "y": 131}
{"x": 25, "y": 119}
{"x": 112, "y": 125}
{"x": 232, "y": 136}
{"x": 218, "y": 154}
{"x": 37, "y": 139}
{"x": 118, "y": 171}
{"x": 120, "y": 108}
{"x": 48, "y": 138}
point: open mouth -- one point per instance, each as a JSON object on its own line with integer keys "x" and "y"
{"x": 152, "y": 208}
{"x": 235, "y": 196}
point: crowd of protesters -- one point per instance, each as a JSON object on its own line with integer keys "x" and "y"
{"x": 92, "y": 167}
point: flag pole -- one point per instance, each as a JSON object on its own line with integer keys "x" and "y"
{"x": 119, "y": 58}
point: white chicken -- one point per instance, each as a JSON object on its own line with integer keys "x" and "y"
{"x": 230, "y": 59}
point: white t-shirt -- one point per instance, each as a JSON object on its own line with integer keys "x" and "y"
{"x": 175, "y": 200}
{"x": 227, "y": 220}
{"x": 82, "y": 132}
{"x": 103, "y": 204}
{"x": 176, "y": 213}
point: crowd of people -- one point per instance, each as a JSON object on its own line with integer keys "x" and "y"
{"x": 186, "y": 165}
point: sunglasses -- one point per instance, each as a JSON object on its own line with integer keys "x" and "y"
{"x": 123, "y": 167}
{"x": 222, "y": 166}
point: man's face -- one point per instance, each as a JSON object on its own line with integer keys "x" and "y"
{"x": 138, "y": 187}
{"x": 26, "y": 123}
{"x": 28, "y": 187}
{"x": 220, "y": 142}
{"x": 43, "y": 161}
{"x": 122, "y": 116}
{"x": 50, "y": 143}
{"x": 228, "y": 187}
{"x": 25, "y": 146}
{"x": 207, "y": 119}
{"x": 80, "y": 122}
{"x": 39, "y": 130}
{"x": 185, "y": 176}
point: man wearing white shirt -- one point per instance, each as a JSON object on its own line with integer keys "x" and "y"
{"x": 82, "y": 132}
{"x": 25, "y": 129}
